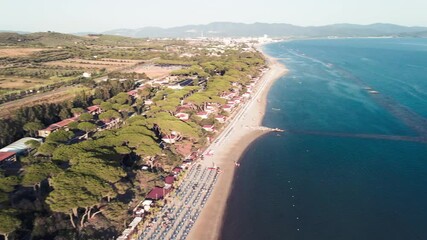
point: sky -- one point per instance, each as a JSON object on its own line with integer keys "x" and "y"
{"x": 71, "y": 16}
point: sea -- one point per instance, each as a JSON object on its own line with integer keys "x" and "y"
{"x": 352, "y": 162}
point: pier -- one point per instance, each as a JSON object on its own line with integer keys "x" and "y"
{"x": 267, "y": 129}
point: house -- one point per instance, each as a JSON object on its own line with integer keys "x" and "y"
{"x": 246, "y": 95}
{"x": 227, "y": 108}
{"x": 87, "y": 75}
{"x": 209, "y": 128}
{"x": 237, "y": 100}
{"x": 56, "y": 126}
{"x": 202, "y": 115}
{"x": 232, "y": 103}
{"x": 7, "y": 157}
{"x": 169, "y": 180}
{"x": 108, "y": 123}
{"x": 210, "y": 108}
{"x": 133, "y": 93}
{"x": 183, "y": 116}
{"x": 176, "y": 170}
{"x": 172, "y": 138}
{"x": 228, "y": 96}
{"x": 148, "y": 102}
{"x": 220, "y": 118}
{"x": 94, "y": 110}
{"x": 19, "y": 147}
{"x": 157, "y": 193}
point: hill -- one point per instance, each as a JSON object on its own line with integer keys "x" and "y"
{"x": 40, "y": 39}
{"x": 54, "y": 39}
{"x": 228, "y": 29}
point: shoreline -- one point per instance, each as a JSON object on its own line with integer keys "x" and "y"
{"x": 229, "y": 147}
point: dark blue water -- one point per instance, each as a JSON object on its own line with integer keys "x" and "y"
{"x": 352, "y": 165}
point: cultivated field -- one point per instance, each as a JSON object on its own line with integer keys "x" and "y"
{"x": 55, "y": 96}
{"x": 154, "y": 71}
{"x": 108, "y": 64}
{"x": 18, "y": 52}
{"x": 21, "y": 83}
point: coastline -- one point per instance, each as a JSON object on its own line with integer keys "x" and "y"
{"x": 229, "y": 147}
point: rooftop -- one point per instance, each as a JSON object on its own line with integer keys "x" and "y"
{"x": 6, "y": 155}
{"x": 19, "y": 146}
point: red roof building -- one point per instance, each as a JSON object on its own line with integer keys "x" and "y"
{"x": 53, "y": 127}
{"x": 183, "y": 116}
{"x": 7, "y": 157}
{"x": 202, "y": 115}
{"x": 169, "y": 179}
{"x": 157, "y": 193}
{"x": 95, "y": 109}
{"x": 176, "y": 170}
{"x": 209, "y": 128}
{"x": 133, "y": 93}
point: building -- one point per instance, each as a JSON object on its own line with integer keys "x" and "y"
{"x": 202, "y": 115}
{"x": 7, "y": 157}
{"x": 56, "y": 126}
{"x": 170, "y": 138}
{"x": 227, "y": 108}
{"x": 210, "y": 109}
{"x": 94, "y": 110}
{"x": 209, "y": 128}
{"x": 169, "y": 180}
{"x": 148, "y": 102}
{"x": 19, "y": 147}
{"x": 133, "y": 93}
{"x": 183, "y": 116}
{"x": 220, "y": 118}
{"x": 108, "y": 123}
{"x": 87, "y": 75}
{"x": 157, "y": 193}
{"x": 176, "y": 170}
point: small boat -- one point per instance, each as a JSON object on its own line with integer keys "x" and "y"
{"x": 275, "y": 109}
{"x": 373, "y": 92}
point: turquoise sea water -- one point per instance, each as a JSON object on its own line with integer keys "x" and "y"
{"x": 352, "y": 164}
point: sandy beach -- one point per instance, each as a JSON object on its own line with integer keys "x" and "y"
{"x": 228, "y": 148}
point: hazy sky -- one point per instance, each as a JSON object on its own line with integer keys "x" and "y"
{"x": 101, "y": 15}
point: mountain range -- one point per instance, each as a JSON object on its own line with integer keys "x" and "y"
{"x": 276, "y": 30}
